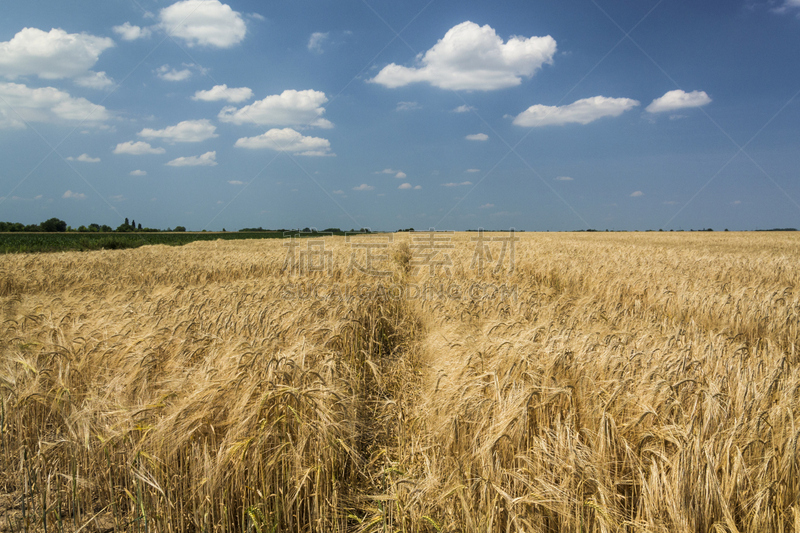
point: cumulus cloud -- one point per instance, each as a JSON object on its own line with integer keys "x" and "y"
{"x": 188, "y": 131}
{"x": 453, "y": 184}
{"x": 636, "y": 194}
{"x": 19, "y": 104}
{"x": 290, "y": 108}
{"x": 138, "y": 173}
{"x": 473, "y": 170}
{"x": 84, "y": 158}
{"x": 463, "y": 109}
{"x": 405, "y": 186}
{"x": 417, "y": 187}
{"x": 316, "y": 40}
{"x": 472, "y": 57}
{"x": 564, "y": 178}
{"x": 364, "y": 187}
{"x": 407, "y": 106}
{"x": 222, "y": 92}
{"x": 74, "y": 195}
{"x": 477, "y": 137}
{"x": 235, "y": 182}
{"x": 51, "y": 55}
{"x": 678, "y": 99}
{"x": 95, "y": 80}
{"x": 208, "y": 159}
{"x": 128, "y": 32}
{"x": 137, "y": 148}
{"x": 166, "y": 73}
{"x": 397, "y": 173}
{"x": 287, "y": 140}
{"x": 203, "y": 23}
{"x": 580, "y": 112}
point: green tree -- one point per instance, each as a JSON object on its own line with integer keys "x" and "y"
{"x": 54, "y": 225}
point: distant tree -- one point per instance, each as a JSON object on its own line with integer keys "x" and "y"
{"x": 126, "y": 221}
{"x": 105, "y": 228}
{"x": 94, "y": 227}
{"x": 133, "y": 224}
{"x": 54, "y": 225}
{"x": 140, "y": 227}
{"x": 83, "y": 229}
{"x": 179, "y": 228}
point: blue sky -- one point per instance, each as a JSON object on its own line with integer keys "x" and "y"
{"x": 536, "y": 115}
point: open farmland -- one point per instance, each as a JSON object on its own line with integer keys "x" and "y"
{"x": 606, "y": 382}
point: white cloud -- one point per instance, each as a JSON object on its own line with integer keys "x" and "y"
{"x": 290, "y": 108}
{"x": 364, "y": 187}
{"x": 51, "y": 55}
{"x": 338, "y": 192}
{"x": 95, "y": 80}
{"x": 188, "y": 131}
{"x": 463, "y": 109}
{"x": 208, "y": 159}
{"x": 580, "y": 112}
{"x": 128, "y": 32}
{"x": 417, "y": 187}
{"x": 735, "y": 202}
{"x": 473, "y": 170}
{"x": 564, "y": 178}
{"x": 74, "y": 195}
{"x": 235, "y": 182}
{"x": 477, "y": 137}
{"x": 678, "y": 99}
{"x": 471, "y": 57}
{"x": 84, "y": 158}
{"x": 117, "y": 198}
{"x": 222, "y": 92}
{"x": 20, "y": 104}
{"x": 138, "y": 173}
{"x": 401, "y": 175}
{"x": 407, "y": 106}
{"x": 287, "y": 140}
{"x": 316, "y": 40}
{"x": 137, "y": 148}
{"x": 636, "y": 194}
{"x": 452, "y": 184}
{"x": 170, "y": 74}
{"x": 203, "y": 23}
{"x": 404, "y": 186}
{"x": 486, "y": 206}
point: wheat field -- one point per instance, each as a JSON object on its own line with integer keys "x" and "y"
{"x": 586, "y": 382}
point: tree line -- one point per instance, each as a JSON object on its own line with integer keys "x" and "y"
{"x": 56, "y": 225}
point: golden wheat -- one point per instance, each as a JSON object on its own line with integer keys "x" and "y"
{"x": 608, "y": 382}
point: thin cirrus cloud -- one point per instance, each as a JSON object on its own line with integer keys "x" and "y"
{"x": 208, "y": 23}
{"x": 188, "y": 131}
{"x": 208, "y": 159}
{"x": 564, "y": 178}
{"x": 287, "y": 140}
{"x": 678, "y": 99}
{"x": 454, "y": 184}
{"x": 223, "y": 92}
{"x": 138, "y": 173}
{"x": 316, "y": 40}
{"x": 580, "y": 112}
{"x": 290, "y": 108}
{"x": 84, "y": 158}
{"x": 477, "y": 137}
{"x": 20, "y": 104}
{"x": 51, "y": 55}
{"x": 473, "y": 57}
{"x": 364, "y": 187}
{"x": 137, "y": 148}
{"x": 74, "y": 195}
